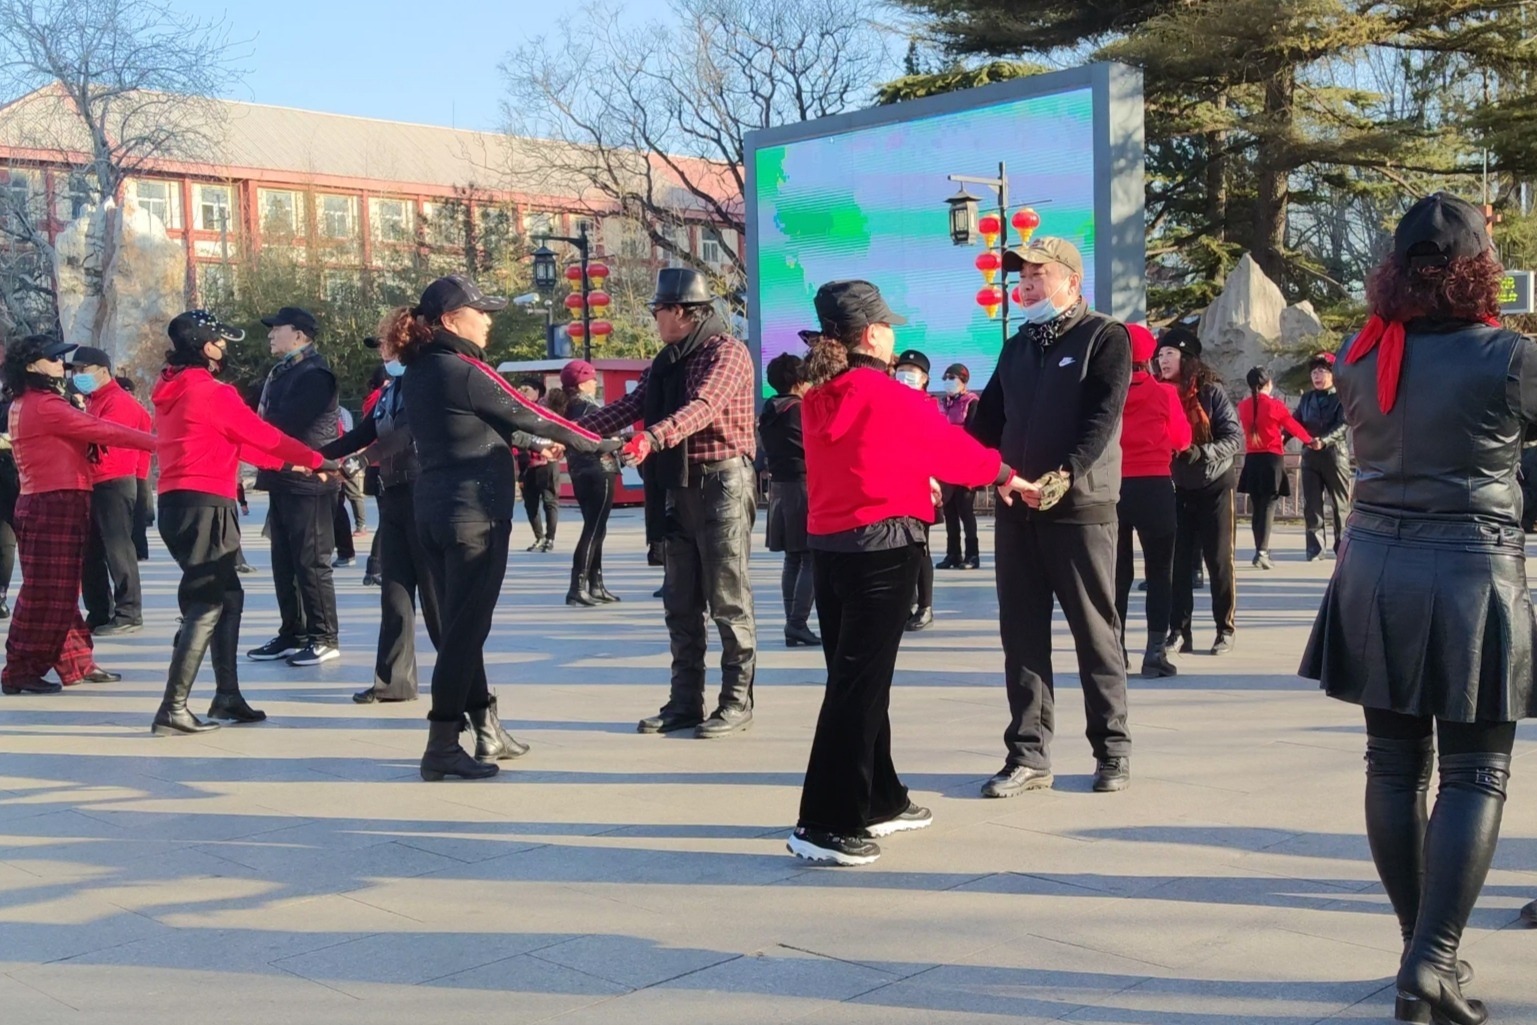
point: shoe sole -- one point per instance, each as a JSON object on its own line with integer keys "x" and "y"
{"x": 315, "y": 661}
{"x": 717, "y": 734}
{"x": 272, "y": 658}
{"x": 226, "y": 717}
{"x": 438, "y": 777}
{"x": 1041, "y": 783}
{"x": 117, "y": 631}
{"x": 822, "y": 856}
{"x": 1114, "y": 786}
{"x": 20, "y": 693}
{"x": 1159, "y": 674}
{"x": 881, "y": 829}
{"x": 171, "y": 731}
{"x": 670, "y": 729}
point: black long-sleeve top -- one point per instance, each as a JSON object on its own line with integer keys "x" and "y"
{"x": 1323, "y": 414}
{"x": 465, "y": 418}
{"x": 780, "y": 438}
{"x": 386, "y": 433}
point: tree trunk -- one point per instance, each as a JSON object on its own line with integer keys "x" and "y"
{"x": 1216, "y": 179}
{"x": 1274, "y": 175}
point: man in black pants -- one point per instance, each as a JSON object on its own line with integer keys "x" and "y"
{"x": 1053, "y": 409}
{"x": 912, "y": 369}
{"x": 110, "y": 573}
{"x": 299, "y": 399}
{"x": 1326, "y": 469}
{"x": 697, "y": 404}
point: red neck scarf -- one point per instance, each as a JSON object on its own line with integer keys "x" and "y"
{"x": 1389, "y": 337}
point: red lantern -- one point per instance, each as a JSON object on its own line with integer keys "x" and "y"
{"x": 601, "y": 328}
{"x": 574, "y": 273}
{"x": 574, "y": 302}
{"x": 1026, "y": 220}
{"x": 988, "y": 262}
{"x": 989, "y": 224}
{"x": 597, "y": 271}
{"x": 576, "y": 330}
{"x": 598, "y": 300}
{"x": 990, "y": 298}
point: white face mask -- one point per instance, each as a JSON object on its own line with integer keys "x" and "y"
{"x": 953, "y": 386}
{"x": 1043, "y": 310}
{"x": 911, "y": 378}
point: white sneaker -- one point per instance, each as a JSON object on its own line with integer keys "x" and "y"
{"x": 913, "y": 818}
{"x": 315, "y": 654}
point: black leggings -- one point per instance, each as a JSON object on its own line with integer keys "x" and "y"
{"x": 540, "y": 491}
{"x": 1264, "y": 519}
{"x": 595, "y": 497}
{"x": 1452, "y": 738}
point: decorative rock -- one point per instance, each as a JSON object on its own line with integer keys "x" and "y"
{"x": 1300, "y": 324}
{"x": 1242, "y": 327}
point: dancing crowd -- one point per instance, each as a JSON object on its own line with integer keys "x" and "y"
{"x": 1098, "y": 437}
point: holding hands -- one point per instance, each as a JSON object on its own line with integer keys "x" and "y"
{"x": 1018, "y": 486}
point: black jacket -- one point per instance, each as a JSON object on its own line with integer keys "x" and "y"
{"x": 582, "y": 464}
{"x": 299, "y": 399}
{"x": 465, "y": 417}
{"x": 1201, "y": 466}
{"x": 1059, "y": 407}
{"x": 1451, "y": 446}
{"x": 386, "y": 433}
{"x": 1322, "y": 413}
{"x": 779, "y": 437}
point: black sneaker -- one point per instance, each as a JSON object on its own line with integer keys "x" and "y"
{"x": 278, "y": 647}
{"x": 949, "y": 562}
{"x": 1529, "y": 913}
{"x": 548, "y": 545}
{"x": 815, "y": 845}
{"x": 537, "y": 546}
{"x": 1224, "y": 644}
{"x": 920, "y": 620}
{"x": 1112, "y": 774}
{"x": 913, "y": 818}
{"x": 972, "y": 562}
{"x": 342, "y": 563}
{"x": 1013, "y": 780}
{"x": 314, "y": 654}
{"x": 118, "y": 628}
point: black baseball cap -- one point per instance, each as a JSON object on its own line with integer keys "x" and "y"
{"x": 913, "y": 358}
{"x": 455, "y": 292}
{"x": 1439, "y": 228}
{"x": 56, "y": 349}
{"x": 191, "y": 329}
{"x": 86, "y": 356}
{"x": 844, "y": 306}
{"x": 296, "y": 318}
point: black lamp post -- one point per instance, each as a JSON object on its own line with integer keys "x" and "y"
{"x": 966, "y": 228}
{"x": 963, "y": 218}
{"x": 583, "y": 251}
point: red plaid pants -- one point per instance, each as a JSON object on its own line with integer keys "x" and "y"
{"x": 47, "y": 630}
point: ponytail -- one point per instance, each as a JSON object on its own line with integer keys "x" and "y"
{"x": 828, "y": 358}
{"x": 1257, "y": 378}
{"x": 405, "y": 331}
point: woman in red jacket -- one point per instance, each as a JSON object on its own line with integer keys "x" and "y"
{"x": 871, "y": 446}
{"x": 54, "y": 445}
{"x": 205, "y": 432}
{"x": 1153, "y": 429}
{"x": 1264, "y": 477}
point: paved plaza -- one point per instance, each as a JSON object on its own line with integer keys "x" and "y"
{"x": 299, "y": 872}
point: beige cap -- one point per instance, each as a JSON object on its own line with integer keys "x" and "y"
{"x": 1044, "y": 249}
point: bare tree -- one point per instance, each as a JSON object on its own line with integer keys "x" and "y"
{"x": 649, "y": 122}
{"x": 112, "y": 86}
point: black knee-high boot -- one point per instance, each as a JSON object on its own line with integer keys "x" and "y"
{"x": 1459, "y": 846}
{"x": 192, "y": 640}
{"x": 228, "y": 703}
{"x": 1397, "y": 780}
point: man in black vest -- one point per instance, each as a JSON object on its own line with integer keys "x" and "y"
{"x": 1053, "y": 409}
{"x": 299, "y": 399}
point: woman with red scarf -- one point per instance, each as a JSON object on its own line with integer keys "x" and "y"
{"x": 54, "y": 445}
{"x": 1266, "y": 421}
{"x": 1427, "y": 623}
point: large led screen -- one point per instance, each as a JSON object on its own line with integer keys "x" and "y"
{"x": 842, "y": 200}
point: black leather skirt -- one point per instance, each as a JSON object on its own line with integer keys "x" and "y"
{"x": 787, "y": 512}
{"x": 1427, "y": 618}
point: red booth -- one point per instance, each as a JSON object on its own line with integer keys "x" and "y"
{"x": 616, "y": 377}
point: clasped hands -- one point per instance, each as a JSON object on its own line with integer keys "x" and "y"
{"x": 1041, "y": 494}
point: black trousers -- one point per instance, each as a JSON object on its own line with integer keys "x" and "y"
{"x": 467, "y": 562}
{"x": 1146, "y": 509}
{"x": 595, "y": 498}
{"x": 960, "y": 513}
{"x": 862, "y": 607}
{"x": 709, "y": 542}
{"x": 1039, "y": 561}
{"x": 144, "y": 518}
{"x": 346, "y": 548}
{"x": 1206, "y": 522}
{"x": 1263, "y": 519}
{"x": 110, "y": 575}
{"x": 1324, "y": 473}
{"x": 303, "y": 538}
{"x": 203, "y": 536}
{"x": 406, "y": 580}
{"x": 541, "y": 491}
{"x": 797, "y": 587}
{"x": 923, "y": 590}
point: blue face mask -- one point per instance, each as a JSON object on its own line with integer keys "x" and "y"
{"x": 394, "y": 367}
{"x": 85, "y": 383}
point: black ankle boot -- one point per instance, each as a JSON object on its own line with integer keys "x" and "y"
{"x": 192, "y": 642}
{"x": 1459, "y": 846}
{"x": 797, "y": 633}
{"x": 1156, "y": 664}
{"x": 444, "y": 756}
{"x": 578, "y": 594}
{"x": 224, "y": 650}
{"x": 597, "y": 590}
{"x": 492, "y": 742}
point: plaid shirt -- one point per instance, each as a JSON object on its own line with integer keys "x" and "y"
{"x": 717, "y": 421}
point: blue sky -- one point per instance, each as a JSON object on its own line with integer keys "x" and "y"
{"x": 433, "y": 63}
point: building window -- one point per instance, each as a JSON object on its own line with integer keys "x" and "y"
{"x": 342, "y": 287}
{"x": 282, "y": 213}
{"x": 213, "y": 208}
{"x": 72, "y": 196}
{"x": 338, "y": 216}
{"x": 493, "y": 225}
{"x": 162, "y": 199}
{"x": 389, "y": 220}
{"x": 19, "y": 197}
{"x": 444, "y": 223}
{"x": 709, "y": 247}
{"x": 539, "y": 222}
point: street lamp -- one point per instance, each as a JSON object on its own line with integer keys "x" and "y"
{"x": 544, "y": 271}
{"x": 545, "y": 275}
{"x": 993, "y": 228}
{"x": 963, "y": 217}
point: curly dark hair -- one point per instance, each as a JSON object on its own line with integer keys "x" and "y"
{"x": 19, "y": 355}
{"x": 1464, "y": 288}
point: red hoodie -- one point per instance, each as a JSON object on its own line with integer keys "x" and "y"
{"x": 871, "y": 446}
{"x": 1274, "y": 416}
{"x": 111, "y": 403}
{"x": 52, "y": 442}
{"x": 1153, "y": 428}
{"x": 206, "y": 431}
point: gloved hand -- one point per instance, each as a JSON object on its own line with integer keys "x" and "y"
{"x": 1054, "y": 487}
{"x": 637, "y": 449}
